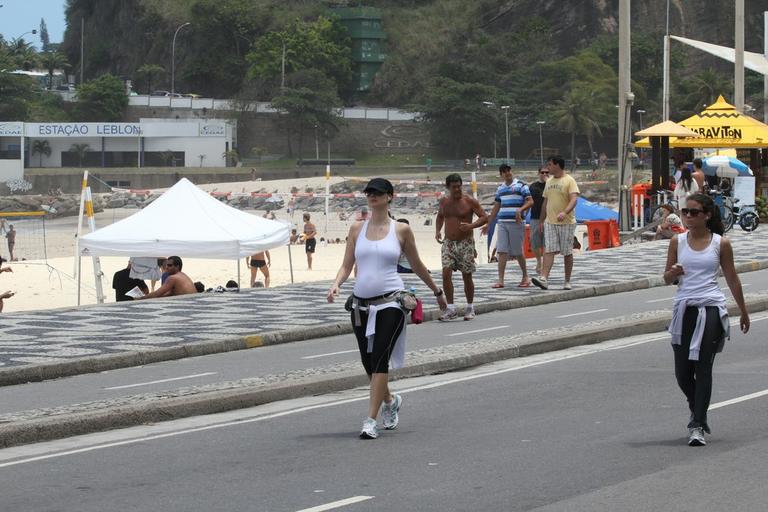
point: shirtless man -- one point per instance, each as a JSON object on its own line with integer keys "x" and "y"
{"x": 11, "y": 236}
{"x": 309, "y": 240}
{"x": 259, "y": 261}
{"x": 178, "y": 283}
{"x": 456, "y": 210}
{"x": 698, "y": 173}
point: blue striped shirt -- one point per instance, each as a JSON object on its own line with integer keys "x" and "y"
{"x": 511, "y": 197}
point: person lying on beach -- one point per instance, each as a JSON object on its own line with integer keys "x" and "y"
{"x": 178, "y": 283}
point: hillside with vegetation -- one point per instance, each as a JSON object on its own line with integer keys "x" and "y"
{"x": 547, "y": 59}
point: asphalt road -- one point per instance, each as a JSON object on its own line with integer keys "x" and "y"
{"x": 333, "y": 350}
{"x": 599, "y": 427}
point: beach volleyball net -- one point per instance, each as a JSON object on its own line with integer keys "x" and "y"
{"x": 22, "y": 236}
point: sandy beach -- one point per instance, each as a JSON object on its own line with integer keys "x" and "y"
{"x": 50, "y": 283}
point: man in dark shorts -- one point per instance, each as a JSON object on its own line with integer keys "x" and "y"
{"x": 456, "y": 211}
{"x": 537, "y": 236}
{"x": 309, "y": 240}
{"x": 259, "y": 261}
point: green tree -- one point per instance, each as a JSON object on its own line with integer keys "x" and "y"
{"x": 703, "y": 89}
{"x": 16, "y": 93}
{"x": 232, "y": 158}
{"x": 23, "y": 54}
{"x": 102, "y": 99}
{"x": 457, "y": 117}
{"x": 308, "y": 100}
{"x": 323, "y": 44}
{"x": 580, "y": 112}
{"x": 52, "y": 61}
{"x": 41, "y": 147}
{"x": 148, "y": 72}
{"x": 48, "y": 107}
{"x": 45, "y": 39}
{"x": 80, "y": 150}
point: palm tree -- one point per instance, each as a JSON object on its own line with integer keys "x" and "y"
{"x": 578, "y": 113}
{"x": 23, "y": 53}
{"x": 704, "y": 88}
{"x": 52, "y": 61}
{"x": 41, "y": 147}
{"x": 81, "y": 150}
{"x": 148, "y": 71}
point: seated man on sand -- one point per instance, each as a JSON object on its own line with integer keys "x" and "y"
{"x": 178, "y": 283}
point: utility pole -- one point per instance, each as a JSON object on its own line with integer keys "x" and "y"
{"x": 282, "y": 69}
{"x": 82, "y": 48}
{"x": 665, "y": 86}
{"x": 505, "y": 108}
{"x": 738, "y": 75}
{"x": 765, "y": 77}
{"x": 626, "y": 98}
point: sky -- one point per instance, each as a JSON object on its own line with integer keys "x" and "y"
{"x": 19, "y": 16}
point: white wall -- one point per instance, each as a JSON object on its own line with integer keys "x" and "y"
{"x": 10, "y": 170}
{"x": 212, "y": 147}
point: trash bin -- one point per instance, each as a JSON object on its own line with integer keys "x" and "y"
{"x": 598, "y": 234}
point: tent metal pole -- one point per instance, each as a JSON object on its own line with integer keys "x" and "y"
{"x": 238, "y": 271}
{"x": 290, "y": 261}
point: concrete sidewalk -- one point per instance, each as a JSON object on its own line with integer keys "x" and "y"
{"x": 51, "y": 344}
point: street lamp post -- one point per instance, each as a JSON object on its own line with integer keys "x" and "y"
{"x": 173, "y": 58}
{"x": 491, "y": 104}
{"x": 541, "y": 141}
{"x": 505, "y": 108}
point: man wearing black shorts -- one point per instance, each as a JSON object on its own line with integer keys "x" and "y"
{"x": 259, "y": 261}
{"x": 309, "y": 240}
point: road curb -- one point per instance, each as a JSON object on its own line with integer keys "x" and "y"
{"x": 105, "y": 362}
{"x": 346, "y": 377}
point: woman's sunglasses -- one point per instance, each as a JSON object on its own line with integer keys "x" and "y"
{"x": 691, "y": 212}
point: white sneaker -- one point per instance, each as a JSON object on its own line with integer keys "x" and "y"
{"x": 541, "y": 282}
{"x": 567, "y": 286}
{"x": 449, "y": 315}
{"x": 389, "y": 412}
{"x": 469, "y": 314}
{"x": 369, "y": 430}
{"x": 696, "y": 437}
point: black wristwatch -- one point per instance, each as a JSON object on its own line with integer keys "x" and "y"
{"x": 439, "y": 292}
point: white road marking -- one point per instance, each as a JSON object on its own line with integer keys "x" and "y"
{"x": 330, "y": 354}
{"x": 583, "y": 313}
{"x": 738, "y": 399}
{"x": 161, "y": 381}
{"x": 478, "y": 330}
{"x": 665, "y": 299}
{"x": 167, "y": 429}
{"x": 337, "y": 504}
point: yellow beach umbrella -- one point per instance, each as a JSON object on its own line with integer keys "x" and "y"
{"x": 720, "y": 125}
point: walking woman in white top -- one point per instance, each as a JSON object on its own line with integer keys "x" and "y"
{"x": 685, "y": 187}
{"x": 378, "y": 320}
{"x": 700, "y": 322}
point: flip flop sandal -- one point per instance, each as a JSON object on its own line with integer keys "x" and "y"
{"x": 497, "y": 285}
{"x": 524, "y": 285}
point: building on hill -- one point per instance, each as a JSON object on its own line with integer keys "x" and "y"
{"x": 365, "y": 30}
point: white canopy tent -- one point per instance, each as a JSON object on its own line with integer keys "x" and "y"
{"x": 754, "y": 61}
{"x": 188, "y": 222}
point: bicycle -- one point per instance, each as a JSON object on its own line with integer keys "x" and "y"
{"x": 666, "y": 197}
{"x": 725, "y": 203}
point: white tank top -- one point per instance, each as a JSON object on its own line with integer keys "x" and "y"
{"x": 701, "y": 269}
{"x": 377, "y": 264}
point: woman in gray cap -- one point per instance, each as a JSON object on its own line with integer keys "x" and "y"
{"x": 378, "y": 319}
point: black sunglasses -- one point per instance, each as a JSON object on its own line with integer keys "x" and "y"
{"x": 544, "y": 172}
{"x": 691, "y": 212}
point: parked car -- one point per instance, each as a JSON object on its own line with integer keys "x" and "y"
{"x": 165, "y": 93}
